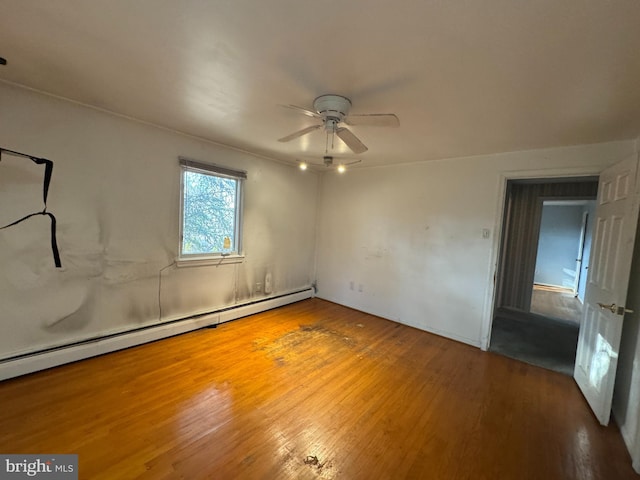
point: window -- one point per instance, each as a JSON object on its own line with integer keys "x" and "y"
{"x": 211, "y": 208}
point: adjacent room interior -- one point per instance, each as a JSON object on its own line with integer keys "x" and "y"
{"x": 331, "y": 240}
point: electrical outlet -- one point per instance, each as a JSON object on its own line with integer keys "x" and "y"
{"x": 351, "y": 285}
{"x": 258, "y": 287}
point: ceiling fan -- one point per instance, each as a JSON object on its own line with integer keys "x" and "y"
{"x": 333, "y": 110}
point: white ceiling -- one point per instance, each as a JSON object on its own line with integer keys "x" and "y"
{"x": 464, "y": 77}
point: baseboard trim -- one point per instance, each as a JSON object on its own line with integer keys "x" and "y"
{"x": 15, "y": 367}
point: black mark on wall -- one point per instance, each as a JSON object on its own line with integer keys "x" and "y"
{"x": 48, "y": 171}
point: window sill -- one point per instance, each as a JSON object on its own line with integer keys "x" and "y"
{"x": 205, "y": 261}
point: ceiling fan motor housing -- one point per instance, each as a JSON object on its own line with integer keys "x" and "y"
{"x": 332, "y": 106}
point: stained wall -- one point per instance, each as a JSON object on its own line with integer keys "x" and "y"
{"x": 115, "y": 192}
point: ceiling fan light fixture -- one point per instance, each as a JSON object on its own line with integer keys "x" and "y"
{"x": 328, "y": 161}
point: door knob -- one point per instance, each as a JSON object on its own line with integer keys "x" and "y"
{"x": 613, "y": 308}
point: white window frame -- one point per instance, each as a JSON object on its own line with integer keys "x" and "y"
{"x": 217, "y": 258}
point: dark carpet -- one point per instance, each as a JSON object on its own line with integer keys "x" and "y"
{"x": 535, "y": 340}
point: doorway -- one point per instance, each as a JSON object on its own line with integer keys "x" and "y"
{"x": 545, "y": 234}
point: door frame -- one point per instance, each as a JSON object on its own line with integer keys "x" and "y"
{"x": 586, "y": 221}
{"x": 499, "y": 221}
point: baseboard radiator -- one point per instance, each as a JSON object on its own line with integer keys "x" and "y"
{"x": 33, "y": 362}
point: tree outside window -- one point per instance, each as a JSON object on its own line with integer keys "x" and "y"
{"x": 210, "y": 213}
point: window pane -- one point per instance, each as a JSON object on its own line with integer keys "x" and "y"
{"x": 209, "y": 213}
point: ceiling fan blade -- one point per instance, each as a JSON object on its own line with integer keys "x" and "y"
{"x": 374, "y": 120}
{"x": 303, "y": 111}
{"x": 351, "y": 140}
{"x": 299, "y": 133}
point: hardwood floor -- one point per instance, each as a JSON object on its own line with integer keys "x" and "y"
{"x": 311, "y": 390}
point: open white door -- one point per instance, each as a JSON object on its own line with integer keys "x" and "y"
{"x": 615, "y": 225}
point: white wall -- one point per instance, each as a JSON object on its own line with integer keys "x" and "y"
{"x": 411, "y": 235}
{"x": 115, "y": 192}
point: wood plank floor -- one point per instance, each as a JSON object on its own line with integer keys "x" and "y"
{"x": 311, "y": 390}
